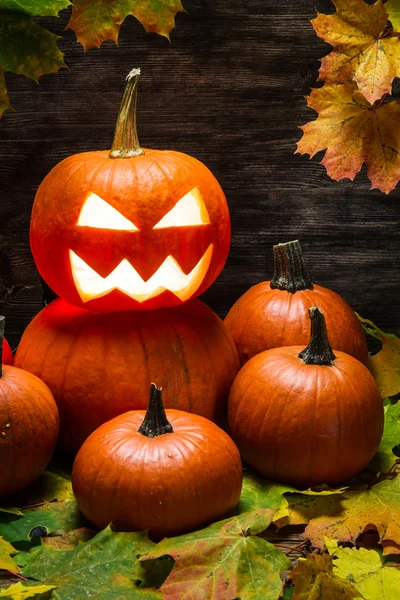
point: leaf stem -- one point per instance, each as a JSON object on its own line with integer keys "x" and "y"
{"x": 382, "y": 100}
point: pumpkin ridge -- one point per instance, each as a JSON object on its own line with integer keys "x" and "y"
{"x": 180, "y": 346}
{"x": 356, "y": 397}
{"x": 281, "y": 421}
{"x": 140, "y": 335}
{"x": 315, "y": 420}
{"x": 101, "y": 471}
{"x": 114, "y": 501}
{"x": 73, "y": 343}
{"x": 288, "y": 307}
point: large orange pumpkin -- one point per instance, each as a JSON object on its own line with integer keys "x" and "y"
{"x": 101, "y": 365}
{"x": 28, "y": 427}
{"x": 166, "y": 471}
{"x": 130, "y": 228}
{"x": 306, "y": 416}
{"x": 273, "y": 313}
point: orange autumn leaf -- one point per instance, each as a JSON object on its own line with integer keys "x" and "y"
{"x": 361, "y": 49}
{"x": 353, "y": 132}
{"x": 95, "y": 21}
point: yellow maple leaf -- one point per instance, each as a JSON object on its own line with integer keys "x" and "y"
{"x": 385, "y": 365}
{"x": 344, "y": 517}
{"x": 361, "y": 49}
{"x": 353, "y": 132}
{"x": 6, "y": 562}
{"x": 393, "y": 8}
{"x": 314, "y": 578}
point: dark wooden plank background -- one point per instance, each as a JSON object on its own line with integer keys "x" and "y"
{"x": 229, "y": 90}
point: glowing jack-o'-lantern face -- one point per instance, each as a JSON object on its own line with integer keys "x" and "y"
{"x": 190, "y": 211}
{"x": 107, "y": 239}
{"x": 130, "y": 229}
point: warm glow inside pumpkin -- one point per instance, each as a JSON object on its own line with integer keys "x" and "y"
{"x": 129, "y": 229}
{"x": 189, "y": 211}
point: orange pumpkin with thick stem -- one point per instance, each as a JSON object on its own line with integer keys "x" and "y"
{"x": 28, "y": 426}
{"x": 166, "y": 471}
{"x": 306, "y": 416}
{"x": 101, "y": 365}
{"x": 273, "y": 313}
{"x": 130, "y": 228}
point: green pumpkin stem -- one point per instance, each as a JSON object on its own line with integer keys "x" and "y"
{"x": 290, "y": 270}
{"x": 318, "y": 351}
{"x": 126, "y": 142}
{"x": 155, "y": 422}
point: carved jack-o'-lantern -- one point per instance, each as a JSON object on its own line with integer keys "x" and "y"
{"x": 132, "y": 228}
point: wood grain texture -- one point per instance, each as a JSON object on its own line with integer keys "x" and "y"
{"x": 230, "y": 91}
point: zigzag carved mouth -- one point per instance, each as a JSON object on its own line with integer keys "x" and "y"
{"x": 169, "y": 276}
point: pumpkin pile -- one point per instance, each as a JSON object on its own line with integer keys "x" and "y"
{"x": 128, "y": 239}
{"x": 115, "y": 234}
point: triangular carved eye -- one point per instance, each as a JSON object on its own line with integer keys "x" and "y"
{"x": 97, "y": 213}
{"x": 190, "y": 210}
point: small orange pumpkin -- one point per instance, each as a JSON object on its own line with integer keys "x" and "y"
{"x": 101, "y": 365}
{"x": 166, "y": 471}
{"x": 306, "y": 417}
{"x": 28, "y": 427}
{"x": 130, "y": 228}
{"x": 273, "y": 313}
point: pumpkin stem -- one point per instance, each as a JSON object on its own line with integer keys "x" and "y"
{"x": 290, "y": 270}
{"x": 318, "y": 351}
{"x": 155, "y": 422}
{"x": 2, "y": 326}
{"x": 126, "y": 142}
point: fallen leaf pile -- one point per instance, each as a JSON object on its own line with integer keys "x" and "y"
{"x": 49, "y": 550}
{"x": 29, "y": 49}
{"x": 355, "y": 125}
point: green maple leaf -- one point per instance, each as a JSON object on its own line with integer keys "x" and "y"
{"x": 385, "y": 365}
{"x": 19, "y": 591}
{"x": 259, "y": 493}
{"x": 95, "y": 21}
{"x": 225, "y": 560}
{"x": 25, "y": 47}
{"x": 106, "y": 567}
{"x": 365, "y": 570}
{"x": 389, "y": 448}
{"x": 34, "y": 8}
{"x": 47, "y": 506}
{"x": 314, "y": 579}
{"x": 393, "y": 8}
